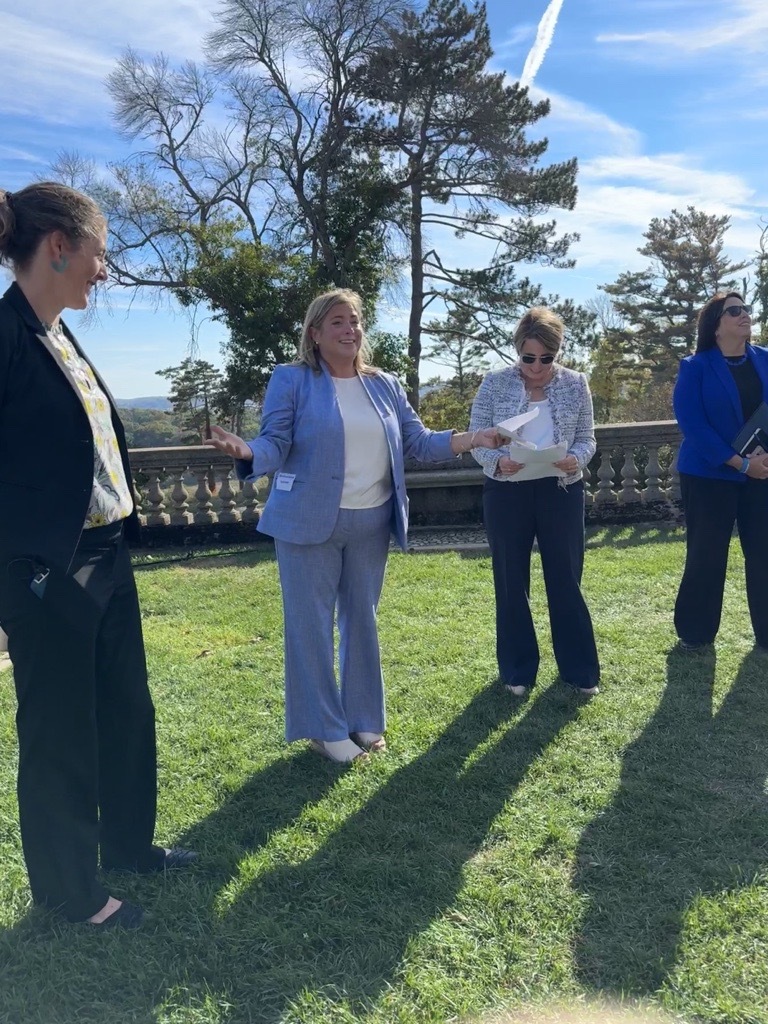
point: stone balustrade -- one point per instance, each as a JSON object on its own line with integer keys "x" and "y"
{"x": 193, "y": 490}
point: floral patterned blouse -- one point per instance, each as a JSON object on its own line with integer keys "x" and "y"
{"x": 111, "y": 498}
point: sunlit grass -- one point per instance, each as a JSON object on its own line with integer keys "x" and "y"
{"x": 502, "y": 857}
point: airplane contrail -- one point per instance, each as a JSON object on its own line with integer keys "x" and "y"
{"x": 544, "y": 36}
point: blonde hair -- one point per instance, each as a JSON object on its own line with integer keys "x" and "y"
{"x": 30, "y": 214}
{"x": 544, "y": 326}
{"x": 318, "y": 310}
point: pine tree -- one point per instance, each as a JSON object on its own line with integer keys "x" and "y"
{"x": 659, "y": 304}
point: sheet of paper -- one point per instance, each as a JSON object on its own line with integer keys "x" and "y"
{"x": 537, "y": 462}
{"x": 508, "y": 428}
{"x": 530, "y": 456}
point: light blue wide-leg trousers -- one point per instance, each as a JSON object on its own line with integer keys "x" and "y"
{"x": 345, "y": 575}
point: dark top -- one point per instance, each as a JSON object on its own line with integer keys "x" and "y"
{"x": 749, "y": 385}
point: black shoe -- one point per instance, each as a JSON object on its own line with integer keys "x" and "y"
{"x": 177, "y": 858}
{"x": 686, "y": 645}
{"x": 127, "y": 915}
{"x": 171, "y": 860}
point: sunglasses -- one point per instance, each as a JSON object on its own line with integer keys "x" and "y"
{"x": 737, "y": 310}
{"x": 529, "y": 360}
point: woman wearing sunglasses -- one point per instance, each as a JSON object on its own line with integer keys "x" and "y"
{"x": 549, "y": 510}
{"x": 718, "y": 389}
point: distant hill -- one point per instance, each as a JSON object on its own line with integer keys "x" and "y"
{"x": 152, "y": 402}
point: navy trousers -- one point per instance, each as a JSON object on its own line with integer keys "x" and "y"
{"x": 516, "y": 514}
{"x": 712, "y": 508}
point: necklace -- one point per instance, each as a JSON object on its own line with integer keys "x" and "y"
{"x": 736, "y": 360}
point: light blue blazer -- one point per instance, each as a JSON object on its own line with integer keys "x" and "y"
{"x": 302, "y": 434}
{"x": 708, "y": 410}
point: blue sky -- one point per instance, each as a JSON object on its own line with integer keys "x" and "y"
{"x": 664, "y": 102}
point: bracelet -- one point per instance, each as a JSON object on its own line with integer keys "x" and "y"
{"x": 744, "y": 466}
{"x": 472, "y": 441}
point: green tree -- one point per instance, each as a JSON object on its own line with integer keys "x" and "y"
{"x": 446, "y": 405}
{"x": 454, "y": 134}
{"x": 456, "y": 345}
{"x": 659, "y": 305}
{"x": 195, "y": 385}
{"x": 150, "y": 428}
{"x": 242, "y": 154}
{"x": 389, "y": 351}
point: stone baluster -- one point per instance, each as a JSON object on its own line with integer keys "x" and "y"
{"x": 630, "y": 491}
{"x": 673, "y": 491}
{"x": 589, "y": 487}
{"x": 249, "y": 502}
{"x": 228, "y": 512}
{"x": 204, "y": 509}
{"x": 137, "y": 502}
{"x": 605, "y": 494}
{"x": 653, "y": 491}
{"x": 180, "y": 514}
{"x": 156, "y": 514}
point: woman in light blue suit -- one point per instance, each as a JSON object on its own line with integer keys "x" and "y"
{"x": 335, "y": 432}
{"x": 717, "y": 391}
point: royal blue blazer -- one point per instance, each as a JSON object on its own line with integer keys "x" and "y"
{"x": 302, "y": 434}
{"x": 708, "y": 410}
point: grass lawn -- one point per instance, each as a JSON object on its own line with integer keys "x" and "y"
{"x": 503, "y": 854}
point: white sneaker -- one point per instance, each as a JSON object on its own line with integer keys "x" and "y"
{"x": 517, "y": 691}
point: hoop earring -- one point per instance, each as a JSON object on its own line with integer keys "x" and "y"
{"x": 60, "y": 265}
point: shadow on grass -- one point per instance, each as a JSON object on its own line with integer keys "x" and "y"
{"x": 689, "y": 818}
{"x": 340, "y": 922}
{"x": 336, "y": 925}
{"x": 634, "y": 535}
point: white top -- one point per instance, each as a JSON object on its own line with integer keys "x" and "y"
{"x": 367, "y": 473}
{"x": 539, "y": 431}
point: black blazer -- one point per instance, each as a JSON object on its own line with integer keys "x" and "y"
{"x": 46, "y": 446}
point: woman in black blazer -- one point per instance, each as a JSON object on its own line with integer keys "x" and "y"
{"x": 87, "y": 766}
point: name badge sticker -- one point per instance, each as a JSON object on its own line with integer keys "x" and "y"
{"x": 284, "y": 481}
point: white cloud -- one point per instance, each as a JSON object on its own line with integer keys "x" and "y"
{"x": 54, "y": 59}
{"x": 741, "y": 30}
{"x": 64, "y": 76}
{"x": 593, "y": 128}
{"x": 544, "y": 36}
{"x": 674, "y": 174}
{"x": 514, "y": 38}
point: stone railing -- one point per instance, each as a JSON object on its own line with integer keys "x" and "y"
{"x": 632, "y": 477}
{"x": 192, "y": 492}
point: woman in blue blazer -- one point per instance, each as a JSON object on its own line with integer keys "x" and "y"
{"x": 717, "y": 390}
{"x": 335, "y": 432}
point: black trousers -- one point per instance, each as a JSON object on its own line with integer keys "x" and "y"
{"x": 515, "y": 515}
{"x": 85, "y": 721}
{"x": 712, "y": 508}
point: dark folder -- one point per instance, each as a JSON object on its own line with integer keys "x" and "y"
{"x": 754, "y": 433}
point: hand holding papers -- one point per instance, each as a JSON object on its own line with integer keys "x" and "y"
{"x": 536, "y": 462}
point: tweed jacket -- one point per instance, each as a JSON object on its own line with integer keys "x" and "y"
{"x": 708, "y": 409}
{"x": 46, "y": 446}
{"x": 502, "y": 394}
{"x": 302, "y": 437}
